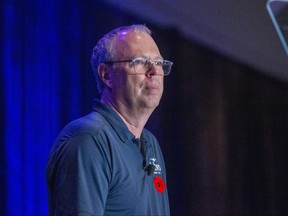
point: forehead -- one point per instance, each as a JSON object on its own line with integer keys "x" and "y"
{"x": 132, "y": 44}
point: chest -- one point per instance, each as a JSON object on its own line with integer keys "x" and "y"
{"x": 130, "y": 186}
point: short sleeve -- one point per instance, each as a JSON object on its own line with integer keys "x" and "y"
{"x": 83, "y": 175}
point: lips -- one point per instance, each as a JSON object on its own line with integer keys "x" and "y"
{"x": 152, "y": 86}
{"x": 152, "y": 89}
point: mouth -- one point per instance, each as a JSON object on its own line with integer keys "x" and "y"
{"x": 152, "y": 89}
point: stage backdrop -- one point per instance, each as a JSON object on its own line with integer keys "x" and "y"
{"x": 222, "y": 125}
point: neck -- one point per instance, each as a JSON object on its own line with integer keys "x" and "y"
{"x": 134, "y": 119}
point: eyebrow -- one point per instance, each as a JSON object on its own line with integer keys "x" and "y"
{"x": 149, "y": 58}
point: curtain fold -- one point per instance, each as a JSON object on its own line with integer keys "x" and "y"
{"x": 30, "y": 101}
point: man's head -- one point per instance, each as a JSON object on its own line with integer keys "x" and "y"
{"x": 105, "y": 49}
{"x": 129, "y": 68}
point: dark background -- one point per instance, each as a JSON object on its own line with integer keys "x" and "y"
{"x": 221, "y": 124}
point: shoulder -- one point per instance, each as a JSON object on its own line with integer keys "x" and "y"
{"x": 84, "y": 133}
{"x": 90, "y": 123}
{"x": 81, "y": 140}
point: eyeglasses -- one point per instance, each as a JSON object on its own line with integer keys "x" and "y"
{"x": 142, "y": 65}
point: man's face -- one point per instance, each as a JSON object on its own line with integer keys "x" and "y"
{"x": 136, "y": 91}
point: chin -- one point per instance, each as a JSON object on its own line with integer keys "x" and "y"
{"x": 152, "y": 104}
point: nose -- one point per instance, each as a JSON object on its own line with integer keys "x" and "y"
{"x": 153, "y": 70}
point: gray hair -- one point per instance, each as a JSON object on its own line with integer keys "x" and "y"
{"x": 104, "y": 50}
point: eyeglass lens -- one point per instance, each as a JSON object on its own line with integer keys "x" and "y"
{"x": 147, "y": 64}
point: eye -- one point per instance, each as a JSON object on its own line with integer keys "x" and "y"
{"x": 139, "y": 61}
{"x": 159, "y": 63}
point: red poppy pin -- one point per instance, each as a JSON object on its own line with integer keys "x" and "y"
{"x": 159, "y": 184}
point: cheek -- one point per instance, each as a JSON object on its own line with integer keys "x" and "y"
{"x": 118, "y": 80}
{"x": 134, "y": 84}
{"x": 126, "y": 86}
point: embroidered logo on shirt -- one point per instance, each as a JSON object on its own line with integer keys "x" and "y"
{"x": 157, "y": 166}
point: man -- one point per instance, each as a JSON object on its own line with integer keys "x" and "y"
{"x": 107, "y": 163}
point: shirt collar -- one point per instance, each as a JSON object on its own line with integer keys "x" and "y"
{"x": 114, "y": 120}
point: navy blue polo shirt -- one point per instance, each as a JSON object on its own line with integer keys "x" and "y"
{"x": 96, "y": 168}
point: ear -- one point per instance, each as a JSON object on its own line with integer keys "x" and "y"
{"x": 104, "y": 74}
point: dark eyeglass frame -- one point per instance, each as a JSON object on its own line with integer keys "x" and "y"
{"x": 165, "y": 64}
